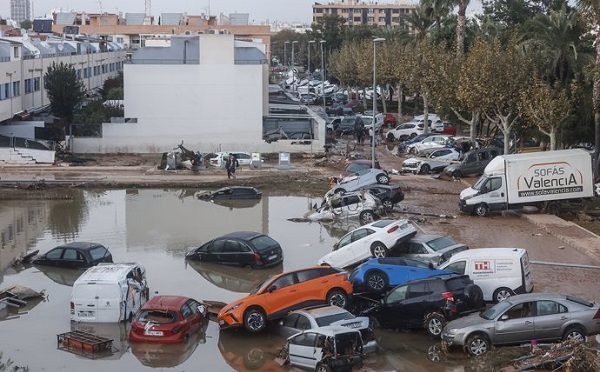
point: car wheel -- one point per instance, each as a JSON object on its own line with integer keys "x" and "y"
{"x": 322, "y": 367}
{"x": 574, "y": 334}
{"x": 434, "y": 353}
{"x": 390, "y": 137}
{"x": 337, "y": 297}
{"x": 481, "y": 210}
{"x": 413, "y": 135}
{"x": 255, "y": 320}
{"x": 456, "y": 174}
{"x": 434, "y": 324}
{"x": 501, "y": 294}
{"x": 387, "y": 204}
{"x": 254, "y": 359}
{"x": 382, "y": 179}
{"x": 367, "y": 216}
{"x": 377, "y": 281}
{"x": 378, "y": 250}
{"x": 425, "y": 168}
{"x": 474, "y": 296}
{"x": 339, "y": 191}
{"x": 374, "y": 323}
{"x": 477, "y": 344}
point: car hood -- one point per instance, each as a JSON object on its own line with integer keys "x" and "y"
{"x": 332, "y": 259}
{"x": 468, "y": 321}
{"x": 448, "y": 252}
{"x": 412, "y": 161}
{"x": 468, "y": 193}
{"x": 348, "y": 179}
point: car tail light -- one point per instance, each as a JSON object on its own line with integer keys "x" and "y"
{"x": 176, "y": 330}
{"x": 448, "y": 296}
{"x": 257, "y": 258}
{"x": 393, "y": 229}
{"x": 597, "y": 316}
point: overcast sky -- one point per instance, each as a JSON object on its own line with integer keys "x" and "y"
{"x": 259, "y": 10}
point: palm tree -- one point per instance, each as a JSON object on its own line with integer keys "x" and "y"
{"x": 437, "y": 10}
{"x": 420, "y": 23}
{"x": 591, "y": 9}
{"x": 556, "y": 37}
{"x": 461, "y": 26}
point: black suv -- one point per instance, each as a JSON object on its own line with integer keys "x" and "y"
{"x": 428, "y": 303}
{"x": 347, "y": 125}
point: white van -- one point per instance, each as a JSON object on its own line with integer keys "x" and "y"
{"x": 109, "y": 293}
{"x": 500, "y": 272}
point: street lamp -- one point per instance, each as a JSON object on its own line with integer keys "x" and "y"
{"x": 309, "y": 42}
{"x": 323, "y": 77}
{"x": 374, "y": 100}
{"x": 293, "y": 66}
{"x": 285, "y": 53}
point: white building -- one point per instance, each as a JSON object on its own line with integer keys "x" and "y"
{"x": 209, "y": 90}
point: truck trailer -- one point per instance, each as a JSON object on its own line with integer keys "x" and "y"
{"x": 541, "y": 179}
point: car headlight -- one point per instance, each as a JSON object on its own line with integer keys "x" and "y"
{"x": 450, "y": 332}
{"x": 467, "y": 197}
{"x": 233, "y": 307}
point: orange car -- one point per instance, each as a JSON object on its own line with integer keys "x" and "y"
{"x": 285, "y": 292}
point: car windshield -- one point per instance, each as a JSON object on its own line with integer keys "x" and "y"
{"x": 440, "y": 243}
{"x": 355, "y": 167}
{"x": 482, "y": 180}
{"x": 327, "y": 320}
{"x": 263, "y": 242}
{"x": 495, "y": 310}
{"x": 261, "y": 286}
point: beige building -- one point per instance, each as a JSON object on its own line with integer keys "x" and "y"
{"x": 376, "y": 13}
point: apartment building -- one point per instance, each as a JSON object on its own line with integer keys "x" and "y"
{"x": 372, "y": 13}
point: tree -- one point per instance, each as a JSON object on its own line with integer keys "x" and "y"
{"x": 26, "y": 24}
{"x": 329, "y": 28}
{"x": 493, "y": 79}
{"x": 65, "y": 91}
{"x": 548, "y": 107}
{"x": 591, "y": 12}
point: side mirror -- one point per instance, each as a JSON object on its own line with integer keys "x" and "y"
{"x": 271, "y": 288}
{"x": 431, "y": 265}
{"x": 504, "y": 317}
{"x": 484, "y": 190}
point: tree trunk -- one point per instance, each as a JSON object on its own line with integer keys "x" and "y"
{"x": 383, "y": 102}
{"x": 596, "y": 102}
{"x": 400, "y": 100}
{"x": 474, "y": 124}
{"x": 461, "y": 27}
{"x": 426, "y": 115}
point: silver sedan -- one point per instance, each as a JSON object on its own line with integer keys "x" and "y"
{"x": 523, "y": 318}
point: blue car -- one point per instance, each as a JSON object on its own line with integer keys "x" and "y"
{"x": 377, "y": 274}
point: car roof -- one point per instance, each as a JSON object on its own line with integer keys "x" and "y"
{"x": 247, "y": 235}
{"x": 425, "y": 237}
{"x": 165, "y": 303}
{"x": 107, "y": 272}
{"x": 85, "y": 246}
{"x": 333, "y": 330}
{"x": 488, "y": 253}
{"x": 322, "y": 310}
{"x": 236, "y": 188}
{"x": 537, "y": 296}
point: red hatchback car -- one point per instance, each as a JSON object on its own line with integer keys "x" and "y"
{"x": 168, "y": 319}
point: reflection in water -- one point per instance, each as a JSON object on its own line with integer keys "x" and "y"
{"x": 236, "y": 279}
{"x": 117, "y": 332}
{"x": 66, "y": 217}
{"x": 339, "y": 228}
{"x": 247, "y": 352}
{"x": 236, "y": 204}
{"x": 168, "y": 355}
{"x": 61, "y": 275}
{"x": 25, "y": 299}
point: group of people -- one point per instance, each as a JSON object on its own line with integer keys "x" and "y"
{"x": 360, "y": 132}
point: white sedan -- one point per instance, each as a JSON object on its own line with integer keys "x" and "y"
{"x": 438, "y": 140}
{"x": 243, "y": 157}
{"x": 433, "y": 160}
{"x": 375, "y": 239}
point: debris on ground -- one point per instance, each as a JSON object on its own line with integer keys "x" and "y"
{"x": 17, "y": 300}
{"x": 565, "y": 356}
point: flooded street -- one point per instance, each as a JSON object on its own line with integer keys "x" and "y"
{"x": 156, "y": 228}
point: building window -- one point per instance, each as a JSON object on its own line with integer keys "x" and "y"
{"x": 382, "y": 19}
{"x": 319, "y": 10}
{"x": 36, "y": 84}
{"x": 357, "y": 19}
{"x": 16, "y": 52}
{"x": 16, "y": 89}
{"x": 371, "y": 10}
{"x": 395, "y": 11}
{"x": 27, "y": 86}
{"x": 370, "y": 19}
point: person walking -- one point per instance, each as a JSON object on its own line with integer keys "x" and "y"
{"x": 359, "y": 130}
{"x": 230, "y": 165}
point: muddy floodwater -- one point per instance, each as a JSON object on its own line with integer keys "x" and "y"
{"x": 156, "y": 228}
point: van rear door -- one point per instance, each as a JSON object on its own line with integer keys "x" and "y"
{"x": 526, "y": 272}
{"x": 96, "y": 302}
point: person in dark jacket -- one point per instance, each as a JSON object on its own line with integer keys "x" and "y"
{"x": 230, "y": 164}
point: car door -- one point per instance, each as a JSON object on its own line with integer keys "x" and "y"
{"x": 496, "y": 193}
{"x": 53, "y": 257}
{"x": 549, "y": 318}
{"x": 282, "y": 296}
{"x": 311, "y": 284}
{"x": 417, "y": 251}
{"x": 214, "y": 251}
{"x": 232, "y": 253}
{"x": 360, "y": 247}
{"x": 516, "y": 324}
{"x": 389, "y": 314}
{"x": 74, "y": 259}
{"x": 303, "y": 351}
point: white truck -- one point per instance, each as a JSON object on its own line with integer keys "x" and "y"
{"x": 541, "y": 179}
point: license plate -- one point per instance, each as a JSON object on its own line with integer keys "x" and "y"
{"x": 272, "y": 257}
{"x": 221, "y": 322}
{"x": 153, "y": 333}
{"x": 86, "y": 314}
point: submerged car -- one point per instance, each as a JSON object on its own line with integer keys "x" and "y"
{"x": 320, "y": 316}
{"x": 378, "y": 274}
{"x": 360, "y": 179}
{"x": 361, "y": 205}
{"x": 521, "y": 318}
{"x": 375, "y": 239}
{"x": 428, "y": 303}
{"x": 168, "y": 319}
{"x": 329, "y": 348}
{"x": 76, "y": 255}
{"x": 285, "y": 292}
{"x": 240, "y": 248}
{"x": 435, "y": 249}
{"x": 231, "y": 193}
